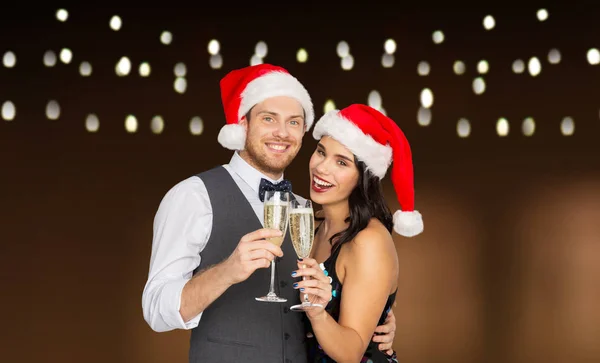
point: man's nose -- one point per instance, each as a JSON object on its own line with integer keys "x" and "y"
{"x": 281, "y": 130}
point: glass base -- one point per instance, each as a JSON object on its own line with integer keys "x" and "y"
{"x": 305, "y": 306}
{"x": 271, "y": 297}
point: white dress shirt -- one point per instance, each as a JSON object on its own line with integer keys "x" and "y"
{"x": 182, "y": 227}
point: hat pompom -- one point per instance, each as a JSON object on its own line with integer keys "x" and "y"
{"x": 232, "y": 136}
{"x": 408, "y": 224}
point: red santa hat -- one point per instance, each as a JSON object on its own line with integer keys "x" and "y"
{"x": 377, "y": 141}
{"x": 242, "y": 89}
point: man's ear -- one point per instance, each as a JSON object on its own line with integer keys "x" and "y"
{"x": 244, "y": 122}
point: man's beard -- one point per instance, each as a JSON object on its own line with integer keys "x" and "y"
{"x": 263, "y": 162}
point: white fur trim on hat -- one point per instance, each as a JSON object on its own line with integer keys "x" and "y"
{"x": 408, "y": 224}
{"x": 275, "y": 84}
{"x": 376, "y": 156}
{"x": 232, "y": 137}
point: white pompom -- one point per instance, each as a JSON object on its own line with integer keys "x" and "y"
{"x": 408, "y": 224}
{"x": 232, "y": 137}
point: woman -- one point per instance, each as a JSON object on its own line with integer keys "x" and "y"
{"x": 353, "y": 240}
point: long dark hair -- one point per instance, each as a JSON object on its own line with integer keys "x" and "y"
{"x": 366, "y": 201}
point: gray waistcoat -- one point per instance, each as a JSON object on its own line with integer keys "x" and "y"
{"x": 236, "y": 327}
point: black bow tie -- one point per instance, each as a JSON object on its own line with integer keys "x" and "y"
{"x": 265, "y": 185}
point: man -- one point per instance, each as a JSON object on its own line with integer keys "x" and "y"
{"x": 210, "y": 258}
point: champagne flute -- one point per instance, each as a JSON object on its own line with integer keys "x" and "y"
{"x": 302, "y": 232}
{"x": 276, "y": 217}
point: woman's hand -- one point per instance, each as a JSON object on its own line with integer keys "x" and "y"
{"x": 316, "y": 286}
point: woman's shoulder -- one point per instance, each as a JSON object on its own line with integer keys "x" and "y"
{"x": 373, "y": 239}
{"x": 372, "y": 251}
{"x": 375, "y": 231}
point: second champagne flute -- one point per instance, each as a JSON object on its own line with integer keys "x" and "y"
{"x": 302, "y": 231}
{"x": 276, "y": 217}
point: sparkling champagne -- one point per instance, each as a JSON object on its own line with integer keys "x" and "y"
{"x": 302, "y": 230}
{"x": 276, "y": 218}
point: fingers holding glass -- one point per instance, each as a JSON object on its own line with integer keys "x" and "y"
{"x": 315, "y": 285}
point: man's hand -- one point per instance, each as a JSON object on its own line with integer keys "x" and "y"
{"x": 252, "y": 252}
{"x": 385, "y": 334}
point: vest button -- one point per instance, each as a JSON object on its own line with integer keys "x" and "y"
{"x": 286, "y": 310}
{"x": 286, "y": 336}
{"x": 283, "y": 283}
{"x": 288, "y": 360}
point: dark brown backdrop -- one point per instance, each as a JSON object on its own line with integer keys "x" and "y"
{"x": 507, "y": 270}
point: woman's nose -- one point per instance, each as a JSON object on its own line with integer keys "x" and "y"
{"x": 322, "y": 168}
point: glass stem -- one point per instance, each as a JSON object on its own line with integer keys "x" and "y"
{"x": 305, "y": 295}
{"x": 272, "y": 288}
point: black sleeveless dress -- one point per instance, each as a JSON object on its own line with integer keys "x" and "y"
{"x": 372, "y": 354}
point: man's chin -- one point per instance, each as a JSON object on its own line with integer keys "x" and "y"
{"x": 277, "y": 160}
{"x": 278, "y": 166}
{"x": 273, "y": 164}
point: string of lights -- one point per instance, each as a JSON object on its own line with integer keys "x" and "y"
{"x": 124, "y": 67}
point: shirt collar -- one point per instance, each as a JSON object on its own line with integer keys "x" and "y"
{"x": 248, "y": 173}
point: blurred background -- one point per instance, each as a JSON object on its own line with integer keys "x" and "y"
{"x": 103, "y": 109}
